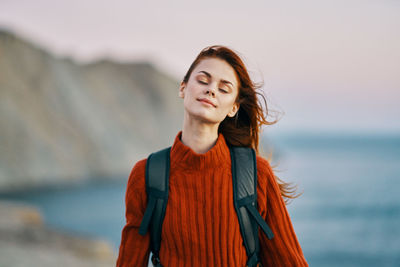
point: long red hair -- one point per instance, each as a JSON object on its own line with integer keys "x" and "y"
{"x": 244, "y": 128}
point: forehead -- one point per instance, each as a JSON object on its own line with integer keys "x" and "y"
{"x": 218, "y": 68}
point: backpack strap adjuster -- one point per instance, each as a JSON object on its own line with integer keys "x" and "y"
{"x": 155, "y": 260}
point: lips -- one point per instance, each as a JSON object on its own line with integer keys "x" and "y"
{"x": 207, "y": 101}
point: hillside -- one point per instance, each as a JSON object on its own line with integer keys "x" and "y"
{"x": 61, "y": 121}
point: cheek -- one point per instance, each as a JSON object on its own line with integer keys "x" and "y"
{"x": 227, "y": 104}
{"x": 190, "y": 91}
{"x": 190, "y": 96}
{"x": 224, "y": 108}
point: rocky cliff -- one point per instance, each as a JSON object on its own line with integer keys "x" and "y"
{"x": 63, "y": 121}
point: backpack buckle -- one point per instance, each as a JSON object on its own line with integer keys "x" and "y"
{"x": 155, "y": 260}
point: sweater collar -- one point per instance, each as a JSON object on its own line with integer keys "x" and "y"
{"x": 185, "y": 157}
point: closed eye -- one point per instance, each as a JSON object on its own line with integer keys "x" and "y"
{"x": 222, "y": 90}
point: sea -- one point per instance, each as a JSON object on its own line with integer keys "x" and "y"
{"x": 348, "y": 213}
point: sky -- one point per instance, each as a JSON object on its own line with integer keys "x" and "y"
{"x": 327, "y": 66}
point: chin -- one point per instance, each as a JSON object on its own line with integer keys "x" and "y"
{"x": 204, "y": 117}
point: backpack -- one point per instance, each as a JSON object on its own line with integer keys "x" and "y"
{"x": 244, "y": 175}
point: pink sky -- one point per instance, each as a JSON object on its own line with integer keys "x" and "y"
{"x": 329, "y": 65}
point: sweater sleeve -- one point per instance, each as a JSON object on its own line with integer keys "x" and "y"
{"x": 283, "y": 249}
{"x": 134, "y": 249}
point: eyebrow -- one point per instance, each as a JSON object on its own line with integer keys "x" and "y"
{"x": 209, "y": 76}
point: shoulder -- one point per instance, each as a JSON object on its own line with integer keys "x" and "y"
{"x": 136, "y": 181}
{"x": 264, "y": 175}
{"x": 139, "y": 166}
{"x": 262, "y": 162}
{"x": 135, "y": 195}
{"x": 266, "y": 180}
{"x": 264, "y": 169}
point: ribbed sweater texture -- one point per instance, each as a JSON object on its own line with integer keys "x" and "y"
{"x": 201, "y": 227}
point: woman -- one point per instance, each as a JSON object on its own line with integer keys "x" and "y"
{"x": 200, "y": 227}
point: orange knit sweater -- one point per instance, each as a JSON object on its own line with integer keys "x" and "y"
{"x": 200, "y": 226}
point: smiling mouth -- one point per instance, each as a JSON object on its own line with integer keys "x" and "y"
{"x": 206, "y": 102}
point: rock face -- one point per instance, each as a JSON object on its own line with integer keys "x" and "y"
{"x": 26, "y": 241}
{"x": 61, "y": 121}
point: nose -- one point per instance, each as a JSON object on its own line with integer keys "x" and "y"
{"x": 210, "y": 90}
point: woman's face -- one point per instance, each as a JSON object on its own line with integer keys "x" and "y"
{"x": 211, "y": 91}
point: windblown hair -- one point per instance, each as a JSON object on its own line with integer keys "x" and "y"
{"x": 244, "y": 128}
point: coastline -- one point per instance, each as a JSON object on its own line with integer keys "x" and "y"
{"x": 26, "y": 240}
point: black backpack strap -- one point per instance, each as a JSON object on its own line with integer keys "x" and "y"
{"x": 244, "y": 175}
{"x": 157, "y": 187}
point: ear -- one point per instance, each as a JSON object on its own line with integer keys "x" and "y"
{"x": 181, "y": 90}
{"x": 235, "y": 109}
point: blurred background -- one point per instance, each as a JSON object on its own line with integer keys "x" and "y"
{"x": 87, "y": 88}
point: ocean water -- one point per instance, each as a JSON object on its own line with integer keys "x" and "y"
{"x": 348, "y": 214}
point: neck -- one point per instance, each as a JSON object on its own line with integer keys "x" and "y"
{"x": 199, "y": 135}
